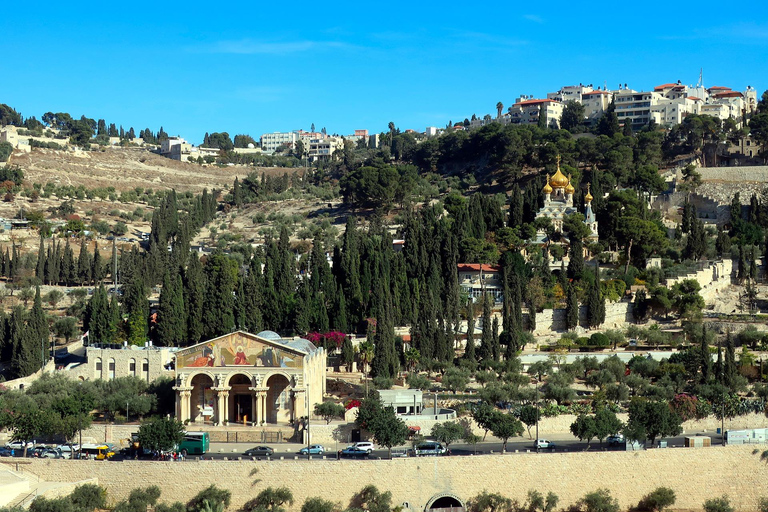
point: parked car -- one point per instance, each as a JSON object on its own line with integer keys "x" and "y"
{"x": 51, "y": 453}
{"x": 259, "y": 451}
{"x": 5, "y": 452}
{"x": 615, "y": 439}
{"x": 429, "y": 448}
{"x": 315, "y": 449}
{"x": 67, "y": 450}
{"x": 19, "y": 445}
{"x": 365, "y": 445}
{"x": 544, "y": 444}
{"x": 400, "y": 452}
{"x": 354, "y": 452}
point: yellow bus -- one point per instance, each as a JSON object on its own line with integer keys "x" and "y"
{"x": 96, "y": 451}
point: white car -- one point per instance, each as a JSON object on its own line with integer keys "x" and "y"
{"x": 542, "y": 444}
{"x": 615, "y": 439}
{"x": 365, "y": 445}
{"x": 19, "y": 445}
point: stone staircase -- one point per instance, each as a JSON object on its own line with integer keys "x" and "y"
{"x": 19, "y": 488}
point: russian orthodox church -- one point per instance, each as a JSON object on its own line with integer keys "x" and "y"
{"x": 558, "y": 204}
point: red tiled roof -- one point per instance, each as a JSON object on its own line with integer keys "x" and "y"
{"x": 728, "y": 94}
{"x": 720, "y": 87}
{"x": 694, "y": 98}
{"x": 534, "y": 102}
{"x": 664, "y": 86}
{"x": 477, "y": 267}
{"x": 595, "y": 92}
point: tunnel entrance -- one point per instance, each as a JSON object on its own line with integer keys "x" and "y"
{"x": 445, "y": 502}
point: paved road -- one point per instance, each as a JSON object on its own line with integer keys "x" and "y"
{"x": 563, "y": 442}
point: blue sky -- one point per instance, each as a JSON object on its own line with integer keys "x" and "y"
{"x": 250, "y": 68}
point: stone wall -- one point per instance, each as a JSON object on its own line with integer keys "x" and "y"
{"x": 713, "y": 278}
{"x": 128, "y": 361}
{"x": 749, "y": 174}
{"x": 694, "y": 474}
{"x": 617, "y": 316}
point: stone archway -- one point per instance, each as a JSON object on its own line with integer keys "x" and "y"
{"x": 240, "y": 398}
{"x": 203, "y": 402}
{"x": 445, "y": 502}
{"x": 278, "y": 399}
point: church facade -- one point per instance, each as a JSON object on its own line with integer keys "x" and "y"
{"x": 250, "y": 379}
{"x": 558, "y": 204}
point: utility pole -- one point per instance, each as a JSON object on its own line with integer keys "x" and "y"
{"x": 309, "y": 456}
{"x": 537, "y": 413}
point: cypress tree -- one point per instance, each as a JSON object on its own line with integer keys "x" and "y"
{"x": 495, "y": 343}
{"x": 469, "y": 350}
{"x": 237, "y": 193}
{"x": 97, "y": 268}
{"x": 486, "y": 341}
{"x": 27, "y": 351}
{"x": 340, "y": 319}
{"x": 595, "y": 304}
{"x": 576, "y": 259}
{"x": 729, "y": 369}
{"x": 219, "y": 301}
{"x": 38, "y": 325}
{"x": 194, "y": 293}
{"x": 40, "y": 269}
{"x": 719, "y": 364}
{"x": 171, "y": 328}
{"x": 137, "y": 308}
{"x": 571, "y": 308}
{"x": 706, "y": 357}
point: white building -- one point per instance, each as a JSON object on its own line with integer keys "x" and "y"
{"x": 323, "y": 149}
{"x": 271, "y": 141}
{"x": 526, "y": 111}
{"x": 175, "y": 148}
{"x": 596, "y": 103}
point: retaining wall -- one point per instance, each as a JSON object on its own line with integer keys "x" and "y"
{"x": 694, "y": 474}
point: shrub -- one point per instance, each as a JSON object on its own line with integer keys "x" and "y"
{"x": 382, "y": 382}
{"x": 721, "y": 504}
{"x": 657, "y": 500}
{"x": 599, "y": 340}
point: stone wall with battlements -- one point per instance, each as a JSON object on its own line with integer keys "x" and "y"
{"x": 694, "y": 474}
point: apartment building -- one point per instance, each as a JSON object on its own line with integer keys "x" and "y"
{"x": 175, "y": 148}
{"x": 271, "y": 141}
{"x": 526, "y": 110}
{"x": 323, "y": 149}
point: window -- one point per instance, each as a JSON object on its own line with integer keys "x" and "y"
{"x": 98, "y": 368}
{"x": 132, "y": 367}
{"x": 111, "y": 368}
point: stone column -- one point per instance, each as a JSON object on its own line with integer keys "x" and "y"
{"x": 183, "y": 406}
{"x": 222, "y": 410}
{"x": 299, "y": 404}
{"x": 256, "y": 405}
{"x": 261, "y": 405}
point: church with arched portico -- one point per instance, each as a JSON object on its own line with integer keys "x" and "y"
{"x": 251, "y": 379}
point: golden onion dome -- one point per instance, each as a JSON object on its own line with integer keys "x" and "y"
{"x": 547, "y": 188}
{"x": 559, "y": 180}
{"x": 569, "y": 188}
{"x": 588, "y": 198}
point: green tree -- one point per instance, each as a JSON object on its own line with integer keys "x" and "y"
{"x": 721, "y": 504}
{"x": 270, "y": 500}
{"x": 650, "y": 420}
{"x": 172, "y": 322}
{"x": 573, "y": 115}
{"x": 529, "y": 415}
{"x": 213, "y": 495}
{"x": 319, "y": 505}
{"x": 657, "y": 500}
{"x": 161, "y": 434}
{"x": 599, "y": 501}
{"x": 447, "y": 433}
{"x": 489, "y": 502}
{"x": 504, "y": 426}
{"x": 329, "y": 410}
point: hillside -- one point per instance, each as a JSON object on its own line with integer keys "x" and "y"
{"x": 125, "y": 169}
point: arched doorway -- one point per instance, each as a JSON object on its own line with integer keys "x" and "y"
{"x": 278, "y": 399}
{"x": 240, "y": 399}
{"x": 445, "y": 502}
{"x": 202, "y": 401}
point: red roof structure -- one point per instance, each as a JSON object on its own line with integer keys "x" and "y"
{"x": 478, "y": 267}
{"x": 533, "y": 102}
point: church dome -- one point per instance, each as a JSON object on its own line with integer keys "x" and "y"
{"x": 588, "y": 198}
{"x": 559, "y": 180}
{"x": 269, "y": 335}
{"x": 569, "y": 188}
{"x": 547, "y": 188}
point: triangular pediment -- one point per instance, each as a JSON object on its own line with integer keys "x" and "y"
{"x": 240, "y": 349}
